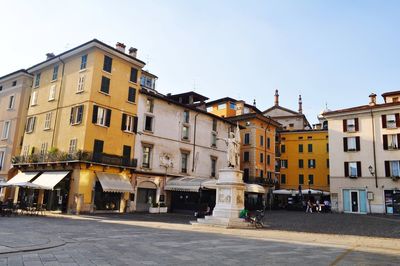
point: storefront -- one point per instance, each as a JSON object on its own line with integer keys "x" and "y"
{"x": 355, "y": 201}
{"x": 146, "y": 195}
{"x": 392, "y": 202}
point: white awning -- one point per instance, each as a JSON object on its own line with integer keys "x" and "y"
{"x": 187, "y": 183}
{"x": 22, "y": 177}
{"x": 48, "y": 180}
{"x": 285, "y": 192}
{"x": 114, "y": 182}
{"x": 250, "y": 188}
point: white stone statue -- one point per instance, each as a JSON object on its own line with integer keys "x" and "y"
{"x": 233, "y": 142}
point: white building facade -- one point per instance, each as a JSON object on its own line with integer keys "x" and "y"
{"x": 364, "y": 157}
{"x": 175, "y": 142}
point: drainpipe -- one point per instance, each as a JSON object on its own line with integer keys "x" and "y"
{"x": 373, "y": 143}
{"x": 194, "y": 140}
{"x": 58, "y": 101}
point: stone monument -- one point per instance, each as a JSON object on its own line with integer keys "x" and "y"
{"x": 229, "y": 189}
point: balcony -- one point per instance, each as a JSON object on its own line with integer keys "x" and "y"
{"x": 79, "y": 156}
{"x": 260, "y": 181}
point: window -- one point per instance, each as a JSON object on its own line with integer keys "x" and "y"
{"x": 47, "y": 121}
{"x": 221, "y": 106}
{"x": 232, "y": 106}
{"x": 327, "y": 147}
{"x": 129, "y": 123}
{"x": 25, "y": 152}
{"x": 30, "y": 124}
{"x": 284, "y": 163}
{"x": 352, "y": 169}
{"x": 327, "y": 163}
{"x": 283, "y": 148}
{"x": 391, "y": 141}
{"x": 52, "y": 93}
{"x": 246, "y": 156}
{"x": 283, "y": 179}
{"x": 76, "y": 115}
{"x": 55, "y": 73}
{"x": 311, "y": 179}
{"x": 2, "y": 157}
{"x": 351, "y": 144}
{"x": 72, "y": 146}
{"x": 11, "y": 102}
{"x": 146, "y": 156}
{"x": 101, "y": 116}
{"x": 311, "y": 163}
{"x": 213, "y": 166}
{"x": 185, "y": 132}
{"x": 301, "y": 163}
{"x": 147, "y": 82}
{"x": 391, "y": 121}
{"x": 328, "y": 179}
{"x": 83, "y": 61}
{"x": 300, "y": 147}
{"x": 261, "y": 173}
{"x": 149, "y": 105}
{"x": 309, "y": 137}
{"x": 81, "y": 84}
{"x": 247, "y": 138}
{"x": 131, "y": 95}
{"x": 268, "y": 159}
{"x": 105, "y": 85}
{"x": 310, "y": 148}
{"x": 261, "y": 140}
{"x": 184, "y": 162}
{"x": 214, "y": 124}
{"x": 133, "y": 76}
{"x": 43, "y": 148}
{"x": 350, "y": 125}
{"x": 37, "y": 80}
{"x": 268, "y": 143}
{"x": 34, "y": 98}
{"x": 185, "y": 116}
{"x": 246, "y": 174}
{"x": 301, "y": 179}
{"x": 107, "y": 65}
{"x": 213, "y": 139}
{"x": 300, "y": 138}
{"x": 6, "y": 129}
{"x": 14, "y": 83}
{"x": 1, "y": 88}
{"x": 291, "y": 125}
{"x": 148, "y": 123}
{"x": 392, "y": 168}
{"x": 261, "y": 157}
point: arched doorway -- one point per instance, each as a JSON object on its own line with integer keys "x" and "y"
{"x": 146, "y": 195}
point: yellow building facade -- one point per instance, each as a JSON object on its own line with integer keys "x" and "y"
{"x": 304, "y": 160}
{"x": 82, "y": 119}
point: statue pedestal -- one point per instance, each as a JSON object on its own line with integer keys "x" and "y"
{"x": 229, "y": 201}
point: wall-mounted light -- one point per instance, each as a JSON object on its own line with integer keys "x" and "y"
{"x": 371, "y": 170}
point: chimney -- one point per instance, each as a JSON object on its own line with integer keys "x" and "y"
{"x": 372, "y": 99}
{"x": 49, "y": 56}
{"x": 300, "y": 105}
{"x": 132, "y": 52}
{"x": 254, "y": 103}
{"x": 276, "y": 98}
{"x": 120, "y": 47}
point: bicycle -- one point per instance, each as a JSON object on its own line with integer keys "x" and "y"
{"x": 256, "y": 220}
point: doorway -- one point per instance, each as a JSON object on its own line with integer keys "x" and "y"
{"x": 354, "y": 201}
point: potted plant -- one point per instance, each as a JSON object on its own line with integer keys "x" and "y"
{"x": 154, "y": 208}
{"x": 163, "y": 208}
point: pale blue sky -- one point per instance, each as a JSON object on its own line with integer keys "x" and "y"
{"x": 329, "y": 51}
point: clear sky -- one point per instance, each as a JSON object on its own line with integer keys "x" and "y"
{"x": 329, "y": 51}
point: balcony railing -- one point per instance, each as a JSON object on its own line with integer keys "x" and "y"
{"x": 82, "y": 156}
{"x": 260, "y": 181}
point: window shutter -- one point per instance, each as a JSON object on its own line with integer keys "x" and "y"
{"x": 384, "y": 121}
{"x": 358, "y": 169}
{"x": 123, "y": 122}
{"x": 80, "y": 114}
{"x": 385, "y": 142}
{"x": 397, "y": 119}
{"x": 33, "y": 123}
{"x": 108, "y": 117}
{"x": 356, "y": 124}
{"x": 135, "y": 123}
{"x": 71, "y": 116}
{"x": 346, "y": 169}
{"x": 95, "y": 111}
{"x": 387, "y": 168}
{"x": 344, "y": 125}
{"x": 357, "y": 143}
{"x": 345, "y": 147}
{"x": 398, "y": 141}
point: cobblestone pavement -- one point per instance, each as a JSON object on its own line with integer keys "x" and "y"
{"x": 141, "y": 239}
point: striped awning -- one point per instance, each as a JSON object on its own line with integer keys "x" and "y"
{"x": 48, "y": 180}
{"x": 187, "y": 183}
{"x": 114, "y": 182}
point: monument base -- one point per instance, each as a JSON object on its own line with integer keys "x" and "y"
{"x": 229, "y": 201}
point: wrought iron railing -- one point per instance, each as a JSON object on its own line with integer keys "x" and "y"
{"x": 260, "y": 181}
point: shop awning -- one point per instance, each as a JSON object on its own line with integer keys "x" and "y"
{"x": 284, "y": 192}
{"x": 114, "y": 182}
{"x": 187, "y": 183}
{"x": 21, "y": 177}
{"x": 304, "y": 192}
{"x": 250, "y": 188}
{"x": 48, "y": 180}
